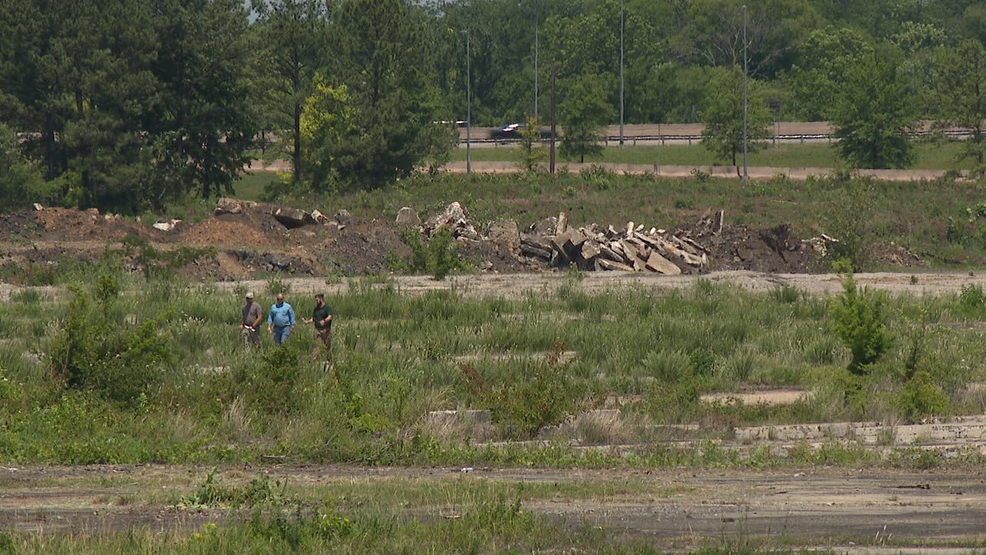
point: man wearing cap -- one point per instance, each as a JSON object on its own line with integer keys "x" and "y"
{"x": 280, "y": 320}
{"x": 250, "y": 323}
{"x": 322, "y": 318}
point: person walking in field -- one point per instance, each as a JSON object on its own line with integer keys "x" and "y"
{"x": 250, "y": 323}
{"x": 322, "y": 318}
{"x": 280, "y": 320}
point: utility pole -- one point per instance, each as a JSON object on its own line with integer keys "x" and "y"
{"x": 621, "y": 73}
{"x": 554, "y": 132}
{"x": 536, "y": 25}
{"x": 468, "y": 107}
{"x": 746, "y": 74}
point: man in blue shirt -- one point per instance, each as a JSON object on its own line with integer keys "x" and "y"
{"x": 280, "y": 320}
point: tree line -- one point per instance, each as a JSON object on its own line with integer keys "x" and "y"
{"x": 131, "y": 105}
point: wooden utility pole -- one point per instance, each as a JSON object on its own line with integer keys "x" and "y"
{"x": 554, "y": 130}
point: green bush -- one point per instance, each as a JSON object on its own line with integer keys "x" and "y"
{"x": 438, "y": 257}
{"x": 522, "y": 408}
{"x": 269, "y": 387}
{"x": 972, "y": 296}
{"x": 921, "y": 397}
{"x": 93, "y": 352}
{"x": 860, "y": 321}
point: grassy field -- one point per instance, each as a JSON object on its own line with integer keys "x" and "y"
{"x": 157, "y": 373}
{"x": 930, "y": 156}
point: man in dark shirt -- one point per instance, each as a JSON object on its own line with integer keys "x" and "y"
{"x": 322, "y": 318}
{"x": 250, "y": 323}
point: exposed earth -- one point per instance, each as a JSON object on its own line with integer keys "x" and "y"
{"x": 244, "y": 239}
{"x": 843, "y": 509}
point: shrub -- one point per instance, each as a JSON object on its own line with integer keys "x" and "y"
{"x": 972, "y": 296}
{"x": 92, "y": 352}
{"x": 270, "y": 386}
{"x": 849, "y": 223}
{"x": 860, "y": 322}
{"x": 523, "y": 408}
{"x": 439, "y": 257}
{"x": 920, "y": 397}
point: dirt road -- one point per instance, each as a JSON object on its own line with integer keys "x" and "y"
{"x": 670, "y": 509}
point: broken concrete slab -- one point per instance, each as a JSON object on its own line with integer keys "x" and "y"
{"x": 506, "y": 234}
{"x": 661, "y": 265}
{"x": 292, "y": 218}
{"x": 343, "y": 217}
{"x": 408, "y": 217}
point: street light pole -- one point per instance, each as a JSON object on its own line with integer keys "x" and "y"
{"x": 536, "y": 24}
{"x": 746, "y": 74}
{"x": 468, "y": 108}
{"x": 621, "y": 73}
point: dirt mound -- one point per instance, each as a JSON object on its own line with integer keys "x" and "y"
{"x": 894, "y": 255}
{"x": 227, "y": 231}
{"x": 69, "y": 224}
{"x": 363, "y": 248}
{"x": 772, "y": 250}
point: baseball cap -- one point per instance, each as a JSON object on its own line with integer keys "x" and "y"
{"x": 249, "y": 295}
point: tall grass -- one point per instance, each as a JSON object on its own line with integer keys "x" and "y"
{"x": 397, "y": 357}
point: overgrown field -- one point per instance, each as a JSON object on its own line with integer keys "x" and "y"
{"x": 942, "y": 222}
{"x": 122, "y": 369}
{"x": 930, "y": 156}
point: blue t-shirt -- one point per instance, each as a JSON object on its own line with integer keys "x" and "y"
{"x": 280, "y": 316}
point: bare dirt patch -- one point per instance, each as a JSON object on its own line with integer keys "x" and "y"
{"x": 814, "y": 507}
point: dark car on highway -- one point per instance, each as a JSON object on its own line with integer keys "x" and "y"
{"x": 513, "y": 132}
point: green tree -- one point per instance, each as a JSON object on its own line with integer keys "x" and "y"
{"x": 205, "y": 124}
{"x": 20, "y": 179}
{"x": 824, "y": 58}
{"x": 293, "y": 39}
{"x": 723, "y": 117}
{"x": 532, "y": 156}
{"x": 873, "y": 115}
{"x": 962, "y": 96}
{"x": 328, "y": 122}
{"x": 584, "y": 112}
{"x": 383, "y": 57}
{"x": 714, "y": 34}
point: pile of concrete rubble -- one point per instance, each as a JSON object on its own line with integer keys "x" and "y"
{"x": 632, "y": 248}
{"x": 552, "y": 241}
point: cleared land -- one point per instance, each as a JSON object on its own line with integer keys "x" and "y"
{"x": 493, "y": 412}
{"x": 844, "y": 511}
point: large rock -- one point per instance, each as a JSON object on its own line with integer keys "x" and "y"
{"x": 546, "y": 227}
{"x": 292, "y": 217}
{"x": 456, "y": 219}
{"x": 232, "y": 206}
{"x": 343, "y": 217}
{"x": 661, "y": 265}
{"x": 505, "y": 234}
{"x": 408, "y": 217}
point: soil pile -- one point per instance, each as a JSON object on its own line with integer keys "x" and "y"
{"x": 225, "y": 230}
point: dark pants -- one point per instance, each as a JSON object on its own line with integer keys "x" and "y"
{"x": 322, "y": 337}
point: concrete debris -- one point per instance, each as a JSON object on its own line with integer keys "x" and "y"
{"x": 344, "y": 218}
{"x": 505, "y": 234}
{"x": 292, "y": 218}
{"x": 408, "y": 217}
{"x": 456, "y": 219}
{"x": 233, "y": 206}
{"x": 628, "y": 249}
{"x": 319, "y": 217}
{"x": 38, "y": 207}
{"x": 166, "y": 226}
